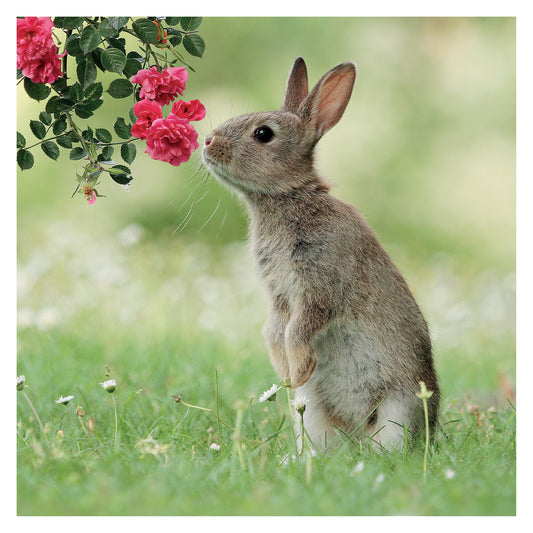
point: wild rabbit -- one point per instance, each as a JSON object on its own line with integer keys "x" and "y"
{"x": 344, "y": 327}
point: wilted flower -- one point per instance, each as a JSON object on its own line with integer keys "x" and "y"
{"x": 90, "y": 194}
{"x": 64, "y": 399}
{"x": 109, "y": 385}
{"x": 270, "y": 394}
{"x": 21, "y": 383}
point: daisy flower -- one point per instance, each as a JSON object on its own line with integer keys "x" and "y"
{"x": 21, "y": 383}
{"x": 109, "y": 385}
{"x": 215, "y": 447}
{"x": 299, "y": 404}
{"x": 270, "y": 394}
{"x": 64, "y": 400}
{"x": 449, "y": 473}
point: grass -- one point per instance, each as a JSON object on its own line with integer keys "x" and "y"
{"x": 128, "y": 315}
{"x": 163, "y": 464}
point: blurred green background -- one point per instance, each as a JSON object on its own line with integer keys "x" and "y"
{"x": 426, "y": 149}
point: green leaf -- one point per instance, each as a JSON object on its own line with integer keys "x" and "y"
{"x": 190, "y": 23}
{"x": 58, "y": 105}
{"x": 88, "y": 134}
{"x": 194, "y": 44}
{"x": 21, "y": 141}
{"x": 89, "y": 39}
{"x": 132, "y": 67}
{"x": 103, "y": 135}
{"x": 66, "y": 140}
{"x": 172, "y": 21}
{"x": 120, "y": 88}
{"x": 24, "y": 159}
{"x": 105, "y": 29}
{"x": 94, "y": 91}
{"x": 119, "y": 43}
{"x": 113, "y": 60}
{"x": 120, "y": 174}
{"x": 68, "y": 23}
{"x": 122, "y": 129}
{"x": 128, "y": 152}
{"x": 96, "y": 54}
{"x": 59, "y": 126}
{"x": 75, "y": 92}
{"x": 38, "y": 129}
{"x": 45, "y": 118}
{"x": 118, "y": 23}
{"x": 85, "y": 109}
{"x": 60, "y": 85}
{"x": 73, "y": 46}
{"x": 50, "y": 149}
{"x": 175, "y": 38}
{"x": 146, "y": 30}
{"x": 107, "y": 154}
{"x": 37, "y": 91}
{"x": 77, "y": 153}
{"x": 86, "y": 71}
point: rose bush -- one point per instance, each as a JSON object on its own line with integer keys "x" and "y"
{"x": 153, "y": 75}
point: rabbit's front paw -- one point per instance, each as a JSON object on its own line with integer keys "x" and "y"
{"x": 302, "y": 362}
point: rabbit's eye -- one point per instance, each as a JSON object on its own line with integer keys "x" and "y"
{"x": 263, "y": 134}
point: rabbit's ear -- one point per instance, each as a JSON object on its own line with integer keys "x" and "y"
{"x": 297, "y": 87}
{"x": 325, "y": 104}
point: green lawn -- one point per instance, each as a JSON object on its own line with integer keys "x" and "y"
{"x": 132, "y": 314}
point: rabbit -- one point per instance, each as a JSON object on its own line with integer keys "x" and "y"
{"x": 344, "y": 329}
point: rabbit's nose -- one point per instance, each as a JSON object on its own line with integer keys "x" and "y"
{"x": 208, "y": 139}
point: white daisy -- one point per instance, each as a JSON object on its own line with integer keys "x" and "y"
{"x": 358, "y": 468}
{"x": 299, "y": 404}
{"x": 109, "y": 385}
{"x": 64, "y": 399}
{"x": 449, "y": 474}
{"x": 215, "y": 447}
{"x": 21, "y": 383}
{"x": 270, "y": 394}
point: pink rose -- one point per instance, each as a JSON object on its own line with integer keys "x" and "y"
{"x": 161, "y": 86}
{"x": 37, "y": 55}
{"x": 193, "y": 110}
{"x": 171, "y": 139}
{"x": 34, "y": 37}
{"x": 45, "y": 69}
{"x": 147, "y": 111}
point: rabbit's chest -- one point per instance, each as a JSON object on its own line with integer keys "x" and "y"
{"x": 275, "y": 261}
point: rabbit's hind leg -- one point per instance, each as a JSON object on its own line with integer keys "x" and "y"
{"x": 394, "y": 420}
